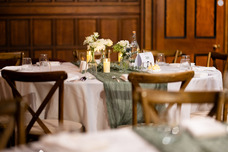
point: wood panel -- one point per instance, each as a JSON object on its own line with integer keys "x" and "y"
{"x": 175, "y": 19}
{"x": 65, "y": 32}
{"x": 2, "y": 33}
{"x": 19, "y": 32}
{"x": 205, "y": 19}
{"x": 42, "y": 30}
{"x": 57, "y": 27}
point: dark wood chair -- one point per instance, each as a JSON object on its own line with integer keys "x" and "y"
{"x": 136, "y": 78}
{"x": 10, "y": 58}
{"x": 13, "y": 124}
{"x": 150, "y": 98}
{"x": 168, "y": 53}
{"x": 214, "y": 56}
{"x": 42, "y": 126}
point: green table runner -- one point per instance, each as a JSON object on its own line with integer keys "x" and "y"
{"x": 119, "y": 98}
{"x": 182, "y": 142}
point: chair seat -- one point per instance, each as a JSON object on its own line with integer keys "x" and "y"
{"x": 199, "y": 114}
{"x": 53, "y": 126}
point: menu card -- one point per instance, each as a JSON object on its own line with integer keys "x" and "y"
{"x": 143, "y": 59}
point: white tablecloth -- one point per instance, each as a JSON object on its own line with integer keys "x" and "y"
{"x": 84, "y": 101}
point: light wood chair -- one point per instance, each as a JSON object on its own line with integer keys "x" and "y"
{"x": 136, "y": 78}
{"x": 11, "y": 58}
{"x": 12, "y": 114}
{"x": 168, "y": 53}
{"x": 150, "y": 98}
{"x": 43, "y": 126}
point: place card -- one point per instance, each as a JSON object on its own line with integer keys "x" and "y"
{"x": 143, "y": 58}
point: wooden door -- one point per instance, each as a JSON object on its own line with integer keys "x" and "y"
{"x": 192, "y": 26}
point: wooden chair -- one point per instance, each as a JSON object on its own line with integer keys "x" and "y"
{"x": 150, "y": 98}
{"x": 11, "y": 58}
{"x": 214, "y": 56}
{"x": 42, "y": 126}
{"x": 13, "y": 112}
{"x": 137, "y": 78}
{"x": 168, "y": 53}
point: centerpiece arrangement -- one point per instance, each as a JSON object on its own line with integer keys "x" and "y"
{"x": 94, "y": 44}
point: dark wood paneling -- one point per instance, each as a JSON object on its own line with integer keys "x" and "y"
{"x": 86, "y": 27}
{"x": 57, "y": 27}
{"x": 65, "y": 33}
{"x": 42, "y": 32}
{"x": 65, "y": 54}
{"x": 127, "y": 26}
{"x": 205, "y": 18}
{"x": 106, "y": 25}
{"x": 2, "y": 33}
{"x": 19, "y": 32}
{"x": 175, "y": 19}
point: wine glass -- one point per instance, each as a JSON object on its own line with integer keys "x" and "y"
{"x": 27, "y": 64}
{"x": 43, "y": 60}
{"x": 160, "y": 59}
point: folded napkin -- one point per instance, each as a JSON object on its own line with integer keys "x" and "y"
{"x": 12, "y": 68}
{"x": 54, "y": 63}
{"x": 72, "y": 77}
{"x": 204, "y": 127}
{"x": 124, "y": 77}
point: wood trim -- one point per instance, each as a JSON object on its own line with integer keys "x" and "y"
{"x": 226, "y": 26}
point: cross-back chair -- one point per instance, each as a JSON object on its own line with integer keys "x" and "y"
{"x": 13, "y": 112}
{"x": 11, "y": 58}
{"x": 214, "y": 56}
{"x": 136, "y": 78}
{"x": 43, "y": 126}
{"x": 168, "y": 53}
{"x": 150, "y": 98}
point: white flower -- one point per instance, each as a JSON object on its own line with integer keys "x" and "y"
{"x": 124, "y": 43}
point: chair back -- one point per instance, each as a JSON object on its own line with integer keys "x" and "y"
{"x": 214, "y": 56}
{"x": 58, "y": 77}
{"x": 168, "y": 53}
{"x": 136, "y": 78}
{"x": 150, "y": 98}
{"x": 11, "y": 58}
{"x": 13, "y": 111}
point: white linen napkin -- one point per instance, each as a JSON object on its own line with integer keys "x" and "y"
{"x": 54, "y": 63}
{"x": 72, "y": 77}
{"x": 124, "y": 77}
{"x": 204, "y": 127}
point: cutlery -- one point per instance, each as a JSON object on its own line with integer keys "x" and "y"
{"x": 114, "y": 77}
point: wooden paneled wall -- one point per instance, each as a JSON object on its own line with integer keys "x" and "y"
{"x": 58, "y": 27}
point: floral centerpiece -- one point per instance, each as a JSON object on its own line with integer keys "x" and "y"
{"x": 96, "y": 45}
{"x": 122, "y": 48}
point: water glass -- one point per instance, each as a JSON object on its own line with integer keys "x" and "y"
{"x": 185, "y": 63}
{"x": 91, "y": 72}
{"x": 27, "y": 64}
{"x": 44, "y": 63}
{"x": 160, "y": 59}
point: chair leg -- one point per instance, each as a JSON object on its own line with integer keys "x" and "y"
{"x": 225, "y": 112}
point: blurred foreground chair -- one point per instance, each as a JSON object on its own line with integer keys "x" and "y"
{"x": 46, "y": 125}
{"x": 168, "y": 53}
{"x": 150, "y": 98}
{"x": 136, "y": 78}
{"x": 10, "y": 58}
{"x": 12, "y": 122}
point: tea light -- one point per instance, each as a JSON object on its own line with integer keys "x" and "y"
{"x": 88, "y": 56}
{"x": 120, "y": 56}
{"x": 106, "y": 65}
